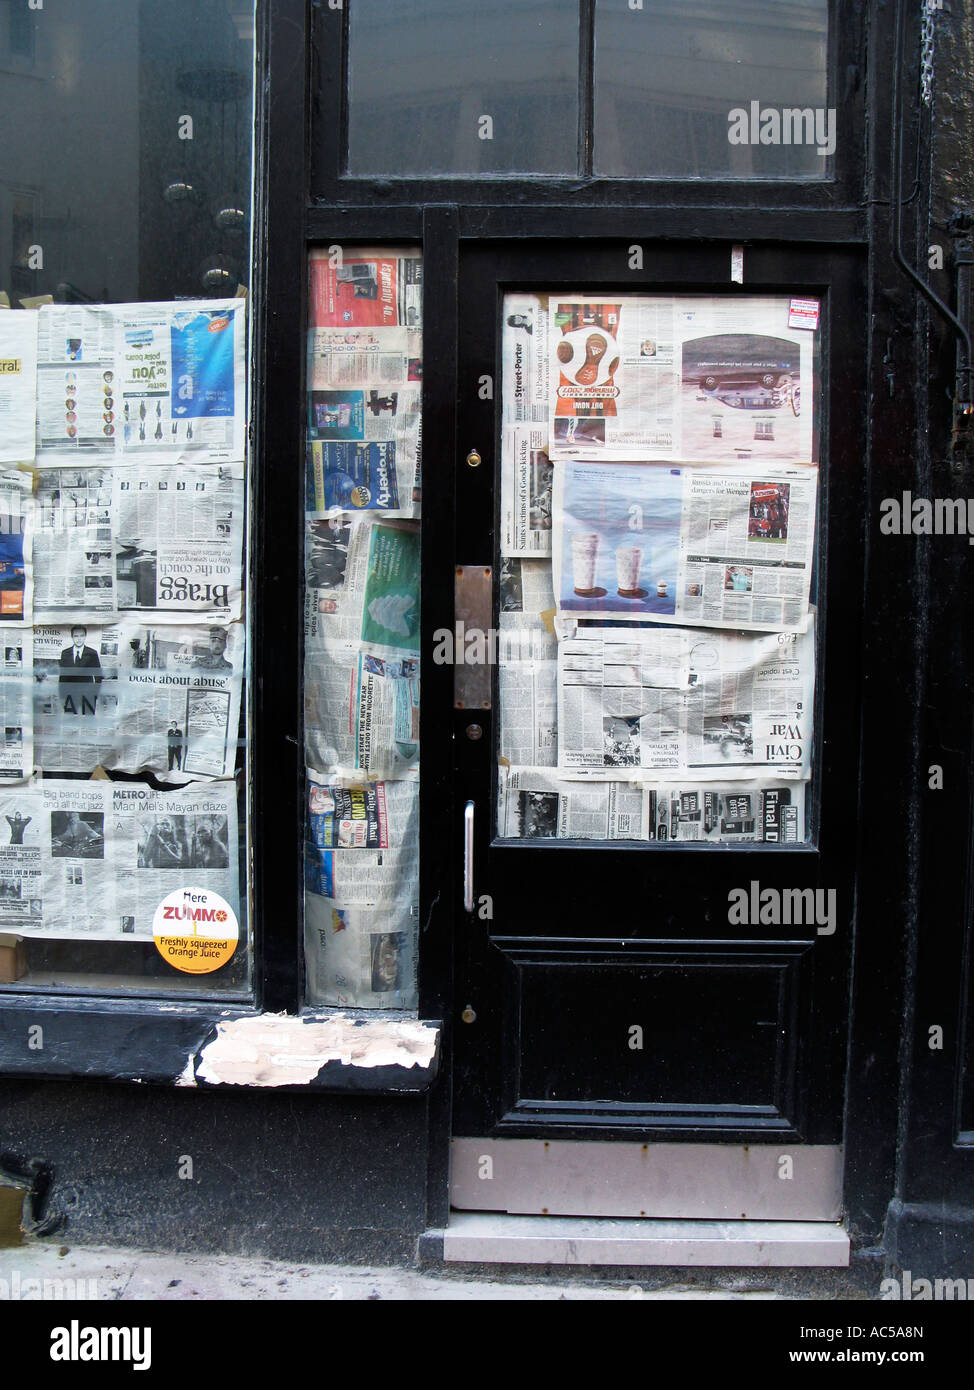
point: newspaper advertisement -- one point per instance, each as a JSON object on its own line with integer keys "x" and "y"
{"x": 381, "y": 288}
{"x": 18, "y": 384}
{"x": 362, "y": 647}
{"x": 362, "y": 848}
{"x": 131, "y": 698}
{"x": 92, "y": 860}
{"x": 16, "y": 546}
{"x": 166, "y": 381}
{"x": 362, "y": 898}
{"x": 716, "y": 547}
{"x": 16, "y": 704}
{"x": 691, "y": 377}
{"x": 658, "y": 703}
{"x": 163, "y": 541}
{"x": 364, "y": 383}
{"x": 736, "y": 813}
{"x": 535, "y": 803}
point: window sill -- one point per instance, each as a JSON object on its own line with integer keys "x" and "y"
{"x": 213, "y": 1045}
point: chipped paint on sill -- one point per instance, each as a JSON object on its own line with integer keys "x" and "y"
{"x": 281, "y": 1050}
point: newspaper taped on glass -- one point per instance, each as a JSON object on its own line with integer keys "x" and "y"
{"x": 16, "y": 546}
{"x": 16, "y": 704}
{"x": 364, "y": 420}
{"x": 92, "y": 860}
{"x": 131, "y": 698}
{"x": 698, "y": 378}
{"x": 525, "y": 360}
{"x": 659, "y": 703}
{"x": 671, "y": 544}
{"x": 18, "y": 384}
{"x": 526, "y": 491}
{"x": 365, "y": 288}
{"x": 362, "y": 647}
{"x": 166, "y": 542}
{"x": 362, "y": 882}
{"x": 363, "y": 841}
{"x": 535, "y": 803}
{"x": 163, "y": 381}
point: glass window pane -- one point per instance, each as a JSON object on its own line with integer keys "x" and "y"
{"x": 685, "y": 89}
{"x": 361, "y": 682}
{"x": 656, "y": 655}
{"x": 124, "y": 240}
{"x": 438, "y": 87}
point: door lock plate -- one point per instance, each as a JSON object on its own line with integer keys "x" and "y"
{"x": 473, "y": 649}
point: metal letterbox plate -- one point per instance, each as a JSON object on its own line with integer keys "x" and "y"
{"x": 473, "y": 647}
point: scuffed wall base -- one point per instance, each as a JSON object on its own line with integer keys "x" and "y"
{"x": 316, "y": 1178}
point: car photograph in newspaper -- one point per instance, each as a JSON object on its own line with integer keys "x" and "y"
{"x": 692, "y": 377}
{"x": 688, "y": 545}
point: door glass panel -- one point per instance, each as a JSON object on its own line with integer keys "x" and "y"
{"x": 657, "y": 545}
{"x": 361, "y": 684}
{"x": 441, "y": 87}
{"x": 721, "y": 89}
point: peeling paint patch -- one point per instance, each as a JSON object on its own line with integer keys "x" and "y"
{"x": 281, "y": 1050}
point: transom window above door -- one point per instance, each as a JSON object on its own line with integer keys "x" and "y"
{"x": 669, "y": 89}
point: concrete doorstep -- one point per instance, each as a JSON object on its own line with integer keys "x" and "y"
{"x": 35, "y": 1271}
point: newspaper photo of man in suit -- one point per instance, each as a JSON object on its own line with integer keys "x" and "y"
{"x": 80, "y": 675}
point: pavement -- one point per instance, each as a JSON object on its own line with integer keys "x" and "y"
{"x": 143, "y": 1275}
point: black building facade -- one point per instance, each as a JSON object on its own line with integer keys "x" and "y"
{"x": 814, "y": 1072}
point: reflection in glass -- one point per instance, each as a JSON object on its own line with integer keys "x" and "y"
{"x": 669, "y": 75}
{"x": 438, "y": 87}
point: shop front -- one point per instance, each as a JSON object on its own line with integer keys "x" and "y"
{"x": 586, "y": 363}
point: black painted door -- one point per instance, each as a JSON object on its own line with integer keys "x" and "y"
{"x": 611, "y": 988}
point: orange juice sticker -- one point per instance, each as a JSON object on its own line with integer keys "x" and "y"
{"x": 195, "y": 930}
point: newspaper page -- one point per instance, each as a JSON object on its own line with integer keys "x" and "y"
{"x": 92, "y": 860}
{"x": 78, "y": 408}
{"x": 130, "y": 698}
{"x": 362, "y": 898}
{"x": 657, "y": 703}
{"x": 525, "y": 360}
{"x": 692, "y": 377}
{"x": 16, "y": 545}
{"x": 720, "y": 548}
{"x": 535, "y": 803}
{"x": 365, "y": 288}
{"x": 737, "y": 813}
{"x": 527, "y": 671}
{"x": 18, "y": 384}
{"x": 178, "y": 542}
{"x": 362, "y": 647}
{"x": 363, "y": 841}
{"x": 166, "y": 381}
{"x": 526, "y": 484}
{"x": 163, "y": 541}
{"x": 364, "y": 382}
{"x": 16, "y": 704}
{"x": 526, "y": 474}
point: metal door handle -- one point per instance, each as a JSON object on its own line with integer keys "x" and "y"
{"x": 468, "y": 857}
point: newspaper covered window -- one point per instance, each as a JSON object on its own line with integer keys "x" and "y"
{"x": 124, "y": 487}
{"x": 659, "y": 486}
{"x": 361, "y": 680}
